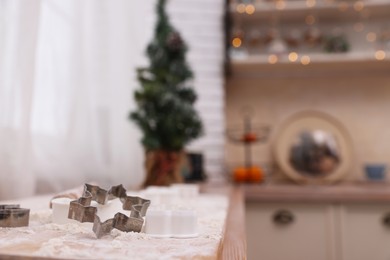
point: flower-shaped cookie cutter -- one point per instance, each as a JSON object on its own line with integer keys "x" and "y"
{"x": 82, "y": 211}
{"x": 13, "y": 216}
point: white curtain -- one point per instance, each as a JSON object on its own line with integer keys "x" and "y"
{"x": 67, "y": 76}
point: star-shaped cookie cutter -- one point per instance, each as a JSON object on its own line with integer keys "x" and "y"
{"x": 13, "y": 216}
{"x": 82, "y": 211}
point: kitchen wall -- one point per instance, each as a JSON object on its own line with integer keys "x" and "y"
{"x": 359, "y": 99}
{"x": 201, "y": 24}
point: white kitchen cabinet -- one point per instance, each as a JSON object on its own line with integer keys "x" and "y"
{"x": 281, "y": 231}
{"x": 363, "y": 231}
{"x": 322, "y": 231}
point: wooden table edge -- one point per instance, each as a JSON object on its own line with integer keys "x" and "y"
{"x": 26, "y": 257}
{"x": 233, "y": 242}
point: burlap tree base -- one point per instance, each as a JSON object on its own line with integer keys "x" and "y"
{"x": 164, "y": 167}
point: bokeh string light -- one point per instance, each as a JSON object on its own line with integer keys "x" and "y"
{"x": 300, "y": 40}
{"x": 272, "y": 59}
{"x": 380, "y": 55}
{"x": 293, "y": 56}
{"x": 305, "y": 60}
{"x": 280, "y": 4}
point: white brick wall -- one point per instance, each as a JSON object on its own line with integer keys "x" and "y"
{"x": 201, "y": 24}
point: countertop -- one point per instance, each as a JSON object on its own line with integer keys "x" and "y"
{"x": 343, "y": 192}
{"x": 231, "y": 245}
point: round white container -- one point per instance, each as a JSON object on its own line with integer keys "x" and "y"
{"x": 158, "y": 223}
{"x": 161, "y": 195}
{"x": 186, "y": 191}
{"x": 60, "y": 208}
{"x": 184, "y": 223}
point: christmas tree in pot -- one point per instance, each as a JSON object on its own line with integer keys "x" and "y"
{"x": 165, "y": 112}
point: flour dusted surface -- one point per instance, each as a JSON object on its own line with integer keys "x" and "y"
{"x": 77, "y": 241}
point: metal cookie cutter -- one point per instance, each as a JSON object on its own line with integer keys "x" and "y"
{"x": 13, "y": 216}
{"x": 82, "y": 211}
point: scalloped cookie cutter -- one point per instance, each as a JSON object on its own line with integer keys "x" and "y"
{"x": 82, "y": 211}
{"x": 14, "y": 216}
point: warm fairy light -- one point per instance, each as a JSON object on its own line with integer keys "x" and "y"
{"x": 358, "y": 6}
{"x": 380, "y": 55}
{"x": 343, "y": 6}
{"x": 305, "y": 60}
{"x": 272, "y": 59}
{"x": 358, "y": 27}
{"x": 310, "y": 19}
{"x": 250, "y": 9}
{"x": 371, "y": 37}
{"x": 280, "y": 4}
{"x": 293, "y": 56}
{"x": 237, "y": 42}
{"x": 241, "y": 8}
{"x": 310, "y": 3}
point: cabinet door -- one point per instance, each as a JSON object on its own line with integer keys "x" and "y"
{"x": 365, "y": 231}
{"x": 290, "y": 231}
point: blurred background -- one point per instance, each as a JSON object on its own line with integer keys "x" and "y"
{"x": 68, "y": 75}
{"x": 67, "y": 78}
{"x": 332, "y": 56}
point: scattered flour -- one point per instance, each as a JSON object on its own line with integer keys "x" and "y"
{"x": 77, "y": 241}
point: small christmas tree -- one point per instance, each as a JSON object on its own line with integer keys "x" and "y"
{"x": 165, "y": 111}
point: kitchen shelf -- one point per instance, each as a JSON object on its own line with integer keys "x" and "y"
{"x": 321, "y": 65}
{"x": 332, "y": 18}
{"x": 295, "y": 10}
{"x": 314, "y": 58}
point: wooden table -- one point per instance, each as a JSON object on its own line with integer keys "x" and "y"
{"x": 231, "y": 246}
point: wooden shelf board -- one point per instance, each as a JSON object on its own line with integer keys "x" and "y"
{"x": 348, "y": 192}
{"x": 320, "y": 65}
{"x": 295, "y": 9}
